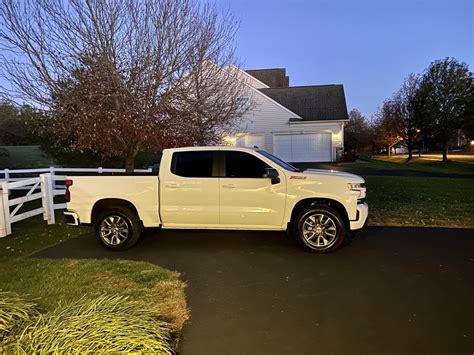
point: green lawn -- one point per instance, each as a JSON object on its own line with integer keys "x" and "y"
{"x": 50, "y": 282}
{"x": 415, "y": 165}
{"x": 418, "y": 201}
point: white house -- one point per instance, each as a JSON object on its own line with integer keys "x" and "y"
{"x": 296, "y": 123}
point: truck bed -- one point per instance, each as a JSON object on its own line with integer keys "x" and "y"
{"x": 141, "y": 191}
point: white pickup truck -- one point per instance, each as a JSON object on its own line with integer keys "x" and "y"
{"x": 221, "y": 188}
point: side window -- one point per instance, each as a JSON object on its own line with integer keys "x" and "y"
{"x": 192, "y": 164}
{"x": 243, "y": 165}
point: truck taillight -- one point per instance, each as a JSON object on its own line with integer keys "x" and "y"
{"x": 68, "y": 193}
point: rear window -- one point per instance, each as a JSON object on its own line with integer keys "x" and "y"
{"x": 192, "y": 164}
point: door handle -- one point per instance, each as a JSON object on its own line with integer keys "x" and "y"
{"x": 171, "y": 185}
{"x": 228, "y": 186}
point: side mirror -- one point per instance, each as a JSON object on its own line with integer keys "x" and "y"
{"x": 272, "y": 174}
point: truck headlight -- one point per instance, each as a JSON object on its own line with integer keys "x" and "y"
{"x": 356, "y": 186}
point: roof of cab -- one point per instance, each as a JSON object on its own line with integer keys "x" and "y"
{"x": 211, "y": 147}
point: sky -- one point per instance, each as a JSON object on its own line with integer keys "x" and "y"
{"x": 370, "y": 46}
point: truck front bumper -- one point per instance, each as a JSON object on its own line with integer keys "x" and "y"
{"x": 361, "y": 221}
{"x": 71, "y": 218}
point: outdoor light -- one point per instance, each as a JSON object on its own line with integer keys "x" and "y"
{"x": 472, "y": 142}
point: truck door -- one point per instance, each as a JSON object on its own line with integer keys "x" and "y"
{"x": 247, "y": 199}
{"x": 190, "y": 191}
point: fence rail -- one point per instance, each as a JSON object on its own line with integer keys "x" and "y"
{"x": 6, "y": 174}
{"x": 10, "y": 207}
{"x": 43, "y": 187}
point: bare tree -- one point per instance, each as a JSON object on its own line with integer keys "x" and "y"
{"x": 404, "y": 109}
{"x": 120, "y": 76}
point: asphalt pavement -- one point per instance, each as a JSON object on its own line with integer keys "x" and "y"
{"x": 390, "y": 291}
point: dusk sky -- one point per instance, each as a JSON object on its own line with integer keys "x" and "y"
{"x": 369, "y": 46}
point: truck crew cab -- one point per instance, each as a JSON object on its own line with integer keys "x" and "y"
{"x": 221, "y": 187}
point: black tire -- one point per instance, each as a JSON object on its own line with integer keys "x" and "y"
{"x": 123, "y": 216}
{"x": 313, "y": 243}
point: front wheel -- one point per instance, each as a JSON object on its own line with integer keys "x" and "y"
{"x": 118, "y": 228}
{"x": 320, "y": 229}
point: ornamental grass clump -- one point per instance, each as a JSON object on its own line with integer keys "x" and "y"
{"x": 15, "y": 312}
{"x": 107, "y": 324}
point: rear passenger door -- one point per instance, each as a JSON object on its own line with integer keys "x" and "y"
{"x": 247, "y": 199}
{"x": 190, "y": 191}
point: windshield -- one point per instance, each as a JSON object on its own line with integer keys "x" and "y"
{"x": 278, "y": 161}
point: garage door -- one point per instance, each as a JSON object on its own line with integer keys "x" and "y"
{"x": 299, "y": 148}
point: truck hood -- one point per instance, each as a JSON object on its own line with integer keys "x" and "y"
{"x": 348, "y": 176}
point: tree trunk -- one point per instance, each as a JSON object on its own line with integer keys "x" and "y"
{"x": 130, "y": 163}
{"x": 410, "y": 151}
{"x": 445, "y": 151}
{"x": 388, "y": 151}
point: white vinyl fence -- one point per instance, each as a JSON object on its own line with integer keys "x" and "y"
{"x": 42, "y": 187}
{"x": 39, "y": 188}
{"x": 22, "y": 174}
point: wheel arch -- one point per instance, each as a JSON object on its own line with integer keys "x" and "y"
{"x": 108, "y": 203}
{"x": 336, "y": 205}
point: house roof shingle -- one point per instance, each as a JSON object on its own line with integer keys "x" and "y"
{"x": 312, "y": 103}
{"x": 275, "y": 78}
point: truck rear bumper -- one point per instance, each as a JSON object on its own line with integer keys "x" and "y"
{"x": 71, "y": 218}
{"x": 361, "y": 221}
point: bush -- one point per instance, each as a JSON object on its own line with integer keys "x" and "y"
{"x": 14, "y": 312}
{"x": 108, "y": 324}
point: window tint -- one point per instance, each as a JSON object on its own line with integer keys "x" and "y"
{"x": 243, "y": 165}
{"x": 192, "y": 164}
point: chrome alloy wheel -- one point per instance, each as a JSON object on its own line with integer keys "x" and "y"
{"x": 319, "y": 231}
{"x": 114, "y": 230}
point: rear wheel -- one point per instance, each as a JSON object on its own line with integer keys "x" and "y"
{"x": 118, "y": 228}
{"x": 320, "y": 229}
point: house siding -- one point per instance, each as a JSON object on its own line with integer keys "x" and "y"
{"x": 265, "y": 118}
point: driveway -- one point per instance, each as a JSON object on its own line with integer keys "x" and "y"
{"x": 391, "y": 291}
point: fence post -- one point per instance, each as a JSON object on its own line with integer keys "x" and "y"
{"x": 48, "y": 198}
{"x": 5, "y": 224}
{"x": 52, "y": 218}
{"x": 44, "y": 197}
{"x": 51, "y": 171}
{"x": 6, "y": 172}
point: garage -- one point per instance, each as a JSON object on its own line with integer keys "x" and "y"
{"x": 303, "y": 148}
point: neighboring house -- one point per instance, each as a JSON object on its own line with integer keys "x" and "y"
{"x": 295, "y": 123}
